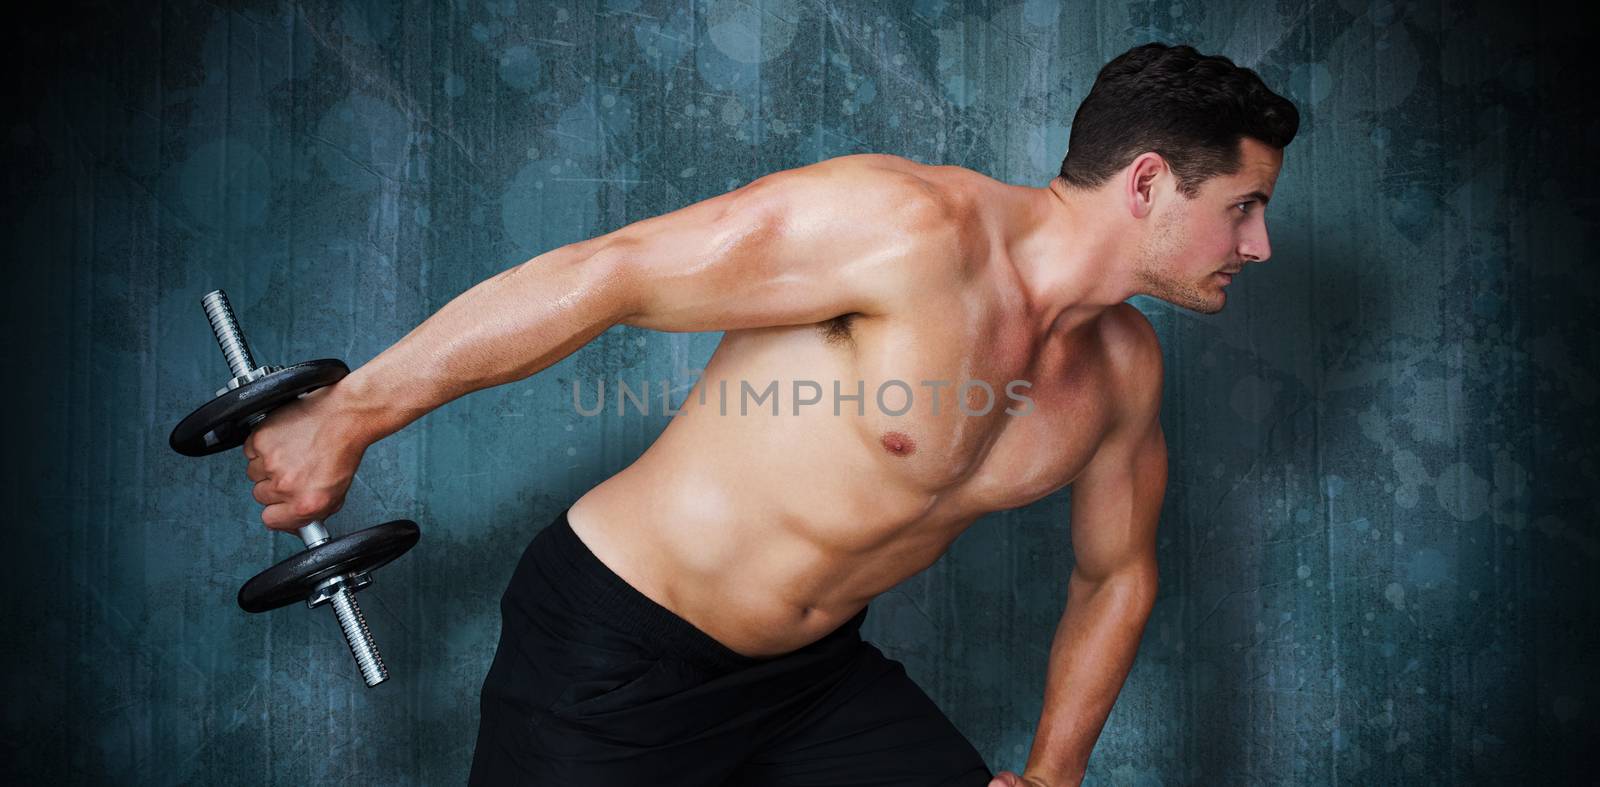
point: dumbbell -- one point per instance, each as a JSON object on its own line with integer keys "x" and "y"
{"x": 329, "y": 570}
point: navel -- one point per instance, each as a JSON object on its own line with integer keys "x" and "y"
{"x": 898, "y": 443}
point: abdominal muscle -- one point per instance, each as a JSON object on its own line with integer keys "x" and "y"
{"x": 757, "y": 583}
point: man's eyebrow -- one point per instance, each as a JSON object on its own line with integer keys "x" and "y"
{"x": 1259, "y": 196}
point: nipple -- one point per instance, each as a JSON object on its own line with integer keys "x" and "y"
{"x": 898, "y": 443}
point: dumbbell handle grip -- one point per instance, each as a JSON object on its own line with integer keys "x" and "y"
{"x": 313, "y": 534}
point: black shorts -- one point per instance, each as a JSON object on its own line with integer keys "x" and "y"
{"x": 594, "y": 683}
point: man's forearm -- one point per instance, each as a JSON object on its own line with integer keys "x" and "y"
{"x": 501, "y": 330}
{"x": 1090, "y": 656}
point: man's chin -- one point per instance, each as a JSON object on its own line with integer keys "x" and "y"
{"x": 1216, "y": 298}
{"x": 1201, "y": 305}
{"x": 1205, "y": 298}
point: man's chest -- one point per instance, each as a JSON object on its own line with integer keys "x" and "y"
{"x": 975, "y": 409}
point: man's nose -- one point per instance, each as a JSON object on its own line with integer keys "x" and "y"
{"x": 1256, "y": 249}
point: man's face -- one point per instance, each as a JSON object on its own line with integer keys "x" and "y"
{"x": 1183, "y": 258}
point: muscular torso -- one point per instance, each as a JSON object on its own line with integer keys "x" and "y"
{"x": 768, "y": 531}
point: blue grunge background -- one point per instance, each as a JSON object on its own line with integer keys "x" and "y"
{"x": 1378, "y": 546}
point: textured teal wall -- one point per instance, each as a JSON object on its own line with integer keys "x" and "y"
{"x": 1379, "y": 541}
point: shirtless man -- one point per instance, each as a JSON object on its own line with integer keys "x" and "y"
{"x": 694, "y": 619}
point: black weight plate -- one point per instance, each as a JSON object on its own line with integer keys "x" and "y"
{"x": 223, "y": 422}
{"x": 293, "y": 579}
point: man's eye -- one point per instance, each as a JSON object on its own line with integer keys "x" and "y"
{"x": 1244, "y": 206}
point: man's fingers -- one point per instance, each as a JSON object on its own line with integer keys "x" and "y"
{"x": 280, "y": 516}
{"x": 265, "y": 493}
{"x": 256, "y": 470}
{"x": 284, "y": 512}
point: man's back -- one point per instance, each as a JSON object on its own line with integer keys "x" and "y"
{"x": 817, "y": 464}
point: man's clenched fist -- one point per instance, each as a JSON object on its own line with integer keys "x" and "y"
{"x": 303, "y": 458}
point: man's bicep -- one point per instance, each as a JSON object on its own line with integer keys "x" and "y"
{"x": 1116, "y": 500}
{"x": 1116, "y": 503}
{"x": 789, "y": 248}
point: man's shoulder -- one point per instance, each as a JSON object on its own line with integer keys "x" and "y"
{"x": 1125, "y": 327}
{"x": 1134, "y": 348}
{"x": 880, "y": 163}
{"x": 910, "y": 210}
{"x": 937, "y": 194}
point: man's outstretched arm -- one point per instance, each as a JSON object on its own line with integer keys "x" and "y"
{"x": 790, "y": 248}
{"x": 785, "y": 249}
{"x": 1116, "y": 501}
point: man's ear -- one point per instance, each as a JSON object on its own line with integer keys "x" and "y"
{"x": 1140, "y": 185}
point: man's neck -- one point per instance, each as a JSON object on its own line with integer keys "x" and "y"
{"x": 1074, "y": 257}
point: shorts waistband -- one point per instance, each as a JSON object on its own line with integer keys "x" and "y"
{"x": 569, "y": 562}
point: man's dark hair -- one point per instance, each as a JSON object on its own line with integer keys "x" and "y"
{"x": 1192, "y": 109}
